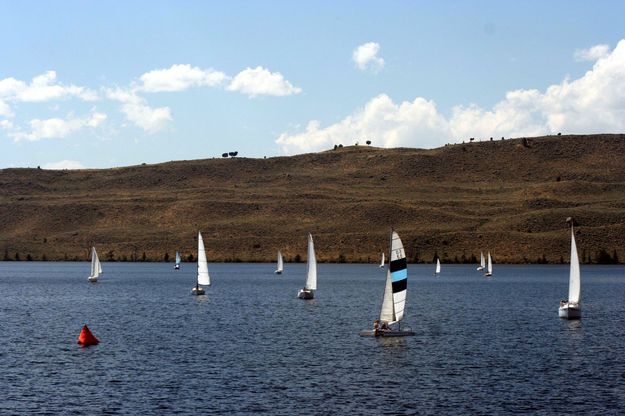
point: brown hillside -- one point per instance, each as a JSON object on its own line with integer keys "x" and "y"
{"x": 510, "y": 197}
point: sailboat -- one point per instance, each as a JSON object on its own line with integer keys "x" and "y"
{"x": 177, "y": 265}
{"x": 382, "y": 262}
{"x": 572, "y": 308}
{"x": 489, "y": 268}
{"x": 438, "y": 267}
{"x": 394, "y": 300}
{"x": 202, "y": 267}
{"x": 280, "y": 265}
{"x": 482, "y": 262}
{"x": 96, "y": 266}
{"x": 308, "y": 292}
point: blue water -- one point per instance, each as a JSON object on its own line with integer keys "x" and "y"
{"x": 482, "y": 346}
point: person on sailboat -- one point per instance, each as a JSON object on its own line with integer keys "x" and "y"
{"x": 376, "y": 327}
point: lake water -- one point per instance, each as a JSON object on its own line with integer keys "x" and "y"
{"x": 482, "y": 346}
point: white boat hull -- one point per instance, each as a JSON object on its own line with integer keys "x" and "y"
{"x": 177, "y": 267}
{"x": 488, "y": 274}
{"x": 480, "y": 268}
{"x": 198, "y": 291}
{"x": 306, "y": 294}
{"x": 92, "y": 279}
{"x": 570, "y": 312}
{"x": 386, "y": 333}
{"x": 278, "y": 272}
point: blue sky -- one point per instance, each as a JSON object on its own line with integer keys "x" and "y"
{"x": 101, "y": 84}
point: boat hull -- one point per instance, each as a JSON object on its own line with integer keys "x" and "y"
{"x": 92, "y": 279}
{"x": 198, "y": 291}
{"x": 570, "y": 312}
{"x": 278, "y": 272}
{"x": 488, "y": 274}
{"x": 386, "y": 333}
{"x": 306, "y": 294}
{"x": 480, "y": 268}
{"x": 176, "y": 267}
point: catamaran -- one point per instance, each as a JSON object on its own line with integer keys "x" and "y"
{"x": 203, "y": 277}
{"x": 394, "y": 300}
{"x": 437, "y": 271}
{"x": 382, "y": 262}
{"x": 280, "y": 265}
{"x": 482, "y": 265}
{"x": 177, "y": 265}
{"x": 308, "y": 292}
{"x": 572, "y": 308}
{"x": 96, "y": 266}
{"x": 489, "y": 268}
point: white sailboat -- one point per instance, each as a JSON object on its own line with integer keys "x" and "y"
{"x": 280, "y": 265}
{"x": 438, "y": 267}
{"x": 572, "y": 308}
{"x": 203, "y": 277}
{"x": 177, "y": 265}
{"x": 308, "y": 292}
{"x": 96, "y": 266}
{"x": 489, "y": 268}
{"x": 482, "y": 265}
{"x": 394, "y": 300}
{"x": 382, "y": 262}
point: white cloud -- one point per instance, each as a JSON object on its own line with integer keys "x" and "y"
{"x": 366, "y": 56}
{"x": 382, "y": 121}
{"x": 179, "y": 78}
{"x": 55, "y": 128}
{"x": 42, "y": 88}
{"x": 593, "y": 53}
{"x": 137, "y": 111}
{"x": 593, "y": 103}
{"x": 260, "y": 81}
{"x": 5, "y": 110}
{"x": 64, "y": 164}
{"x": 6, "y": 124}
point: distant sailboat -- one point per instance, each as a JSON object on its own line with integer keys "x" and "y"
{"x": 203, "y": 277}
{"x": 489, "y": 268}
{"x": 177, "y": 265}
{"x": 438, "y": 267}
{"x": 96, "y": 267}
{"x": 482, "y": 262}
{"x": 572, "y": 308}
{"x": 280, "y": 265}
{"x": 394, "y": 300}
{"x": 308, "y": 292}
{"x": 382, "y": 262}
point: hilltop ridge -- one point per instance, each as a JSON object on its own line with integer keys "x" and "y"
{"x": 510, "y": 197}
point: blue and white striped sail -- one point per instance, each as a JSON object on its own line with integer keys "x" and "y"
{"x": 396, "y": 283}
{"x": 177, "y": 259}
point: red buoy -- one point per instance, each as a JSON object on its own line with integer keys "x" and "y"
{"x": 86, "y": 338}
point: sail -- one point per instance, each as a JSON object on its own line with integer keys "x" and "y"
{"x": 280, "y": 262}
{"x": 382, "y": 262}
{"x": 96, "y": 267}
{"x": 438, "y": 266}
{"x": 387, "y": 313}
{"x": 482, "y": 262}
{"x": 574, "y": 276}
{"x": 202, "y": 265}
{"x": 399, "y": 275}
{"x": 490, "y": 264}
{"x": 311, "y": 279}
{"x": 177, "y": 258}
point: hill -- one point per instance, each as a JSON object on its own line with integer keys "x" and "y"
{"x": 510, "y": 197}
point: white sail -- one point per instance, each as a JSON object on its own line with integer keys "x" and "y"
{"x": 202, "y": 265}
{"x": 177, "y": 257}
{"x": 280, "y": 266}
{"x": 438, "y": 266}
{"x": 311, "y": 279}
{"x": 490, "y": 264}
{"x": 482, "y": 262}
{"x": 382, "y": 262}
{"x": 574, "y": 276}
{"x": 387, "y": 313}
{"x": 399, "y": 275}
{"x": 96, "y": 267}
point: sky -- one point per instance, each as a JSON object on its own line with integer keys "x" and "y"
{"x": 97, "y": 84}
